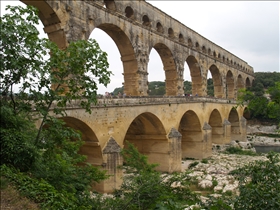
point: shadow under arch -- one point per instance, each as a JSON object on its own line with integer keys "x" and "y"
{"x": 190, "y": 128}
{"x": 196, "y": 76}
{"x": 147, "y": 134}
{"x": 248, "y": 83}
{"x": 230, "y": 85}
{"x": 233, "y": 118}
{"x": 169, "y": 66}
{"x": 215, "y": 121}
{"x": 128, "y": 57}
{"x": 91, "y": 147}
{"x": 217, "y": 81}
{"x": 49, "y": 18}
{"x": 246, "y": 113}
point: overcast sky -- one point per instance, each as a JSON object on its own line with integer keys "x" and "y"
{"x": 248, "y": 29}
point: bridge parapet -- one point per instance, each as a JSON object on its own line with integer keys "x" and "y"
{"x": 141, "y": 101}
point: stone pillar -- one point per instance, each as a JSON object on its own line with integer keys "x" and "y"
{"x": 112, "y": 160}
{"x": 174, "y": 139}
{"x": 243, "y": 129}
{"x": 227, "y": 132}
{"x": 207, "y": 140}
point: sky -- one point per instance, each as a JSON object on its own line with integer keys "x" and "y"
{"x": 248, "y": 29}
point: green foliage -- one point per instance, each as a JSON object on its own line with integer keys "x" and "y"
{"x": 193, "y": 164}
{"x": 156, "y": 88}
{"x": 259, "y": 184}
{"x": 210, "y": 87}
{"x": 145, "y": 188}
{"x": 239, "y": 151}
{"x": 17, "y": 140}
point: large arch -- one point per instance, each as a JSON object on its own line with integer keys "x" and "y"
{"x": 230, "y": 85}
{"x": 217, "y": 81}
{"x": 51, "y": 21}
{"x": 91, "y": 147}
{"x": 215, "y": 121}
{"x": 190, "y": 128}
{"x": 128, "y": 58}
{"x": 233, "y": 118}
{"x": 147, "y": 134}
{"x": 169, "y": 66}
{"x": 196, "y": 76}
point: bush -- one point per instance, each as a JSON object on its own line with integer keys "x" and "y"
{"x": 259, "y": 184}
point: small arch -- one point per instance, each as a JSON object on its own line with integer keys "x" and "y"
{"x": 171, "y": 33}
{"x": 129, "y": 13}
{"x": 146, "y": 21}
{"x": 181, "y": 38}
{"x": 209, "y": 51}
{"x": 219, "y": 56}
{"x": 159, "y": 27}
{"x": 214, "y": 54}
{"x": 224, "y": 58}
{"x": 110, "y": 4}
{"x": 190, "y": 44}
{"x": 203, "y": 49}
{"x": 197, "y": 45}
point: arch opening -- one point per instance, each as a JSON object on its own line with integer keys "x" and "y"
{"x": 91, "y": 147}
{"x": 146, "y": 21}
{"x": 214, "y": 82}
{"x": 230, "y": 85}
{"x": 215, "y": 121}
{"x": 129, "y": 13}
{"x": 147, "y": 134}
{"x": 190, "y": 128}
{"x": 196, "y": 76}
{"x": 124, "y": 69}
{"x": 171, "y": 77}
{"x": 233, "y": 118}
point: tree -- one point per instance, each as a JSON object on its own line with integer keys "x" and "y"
{"x": 68, "y": 75}
{"x": 47, "y": 78}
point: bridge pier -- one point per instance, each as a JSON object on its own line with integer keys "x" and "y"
{"x": 112, "y": 159}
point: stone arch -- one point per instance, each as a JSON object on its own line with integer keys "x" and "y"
{"x": 51, "y": 21}
{"x": 129, "y": 12}
{"x": 209, "y": 51}
{"x": 190, "y": 128}
{"x": 146, "y": 132}
{"x": 91, "y": 147}
{"x": 204, "y": 49}
{"x": 233, "y": 118}
{"x": 197, "y": 46}
{"x": 246, "y": 113}
{"x": 214, "y": 54}
{"x": 217, "y": 81}
{"x": 247, "y": 82}
{"x": 181, "y": 38}
{"x": 230, "y": 85}
{"x": 215, "y": 121}
{"x": 239, "y": 82}
{"x": 146, "y": 21}
{"x": 171, "y": 33}
{"x": 128, "y": 58}
{"x": 196, "y": 75}
{"x": 159, "y": 28}
{"x": 190, "y": 44}
{"x": 110, "y": 4}
{"x": 169, "y": 66}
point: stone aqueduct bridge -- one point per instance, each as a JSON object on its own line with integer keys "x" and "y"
{"x": 165, "y": 129}
{"x": 136, "y": 27}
